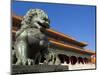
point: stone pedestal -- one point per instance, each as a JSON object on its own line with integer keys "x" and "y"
{"x": 18, "y": 69}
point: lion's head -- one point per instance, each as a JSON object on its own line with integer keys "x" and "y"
{"x": 34, "y": 18}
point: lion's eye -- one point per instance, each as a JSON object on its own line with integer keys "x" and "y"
{"x": 45, "y": 19}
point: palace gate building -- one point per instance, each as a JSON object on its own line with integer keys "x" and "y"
{"x": 65, "y": 47}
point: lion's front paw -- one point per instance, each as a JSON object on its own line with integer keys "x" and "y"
{"x": 24, "y": 61}
{"x": 30, "y": 62}
{"x": 27, "y": 62}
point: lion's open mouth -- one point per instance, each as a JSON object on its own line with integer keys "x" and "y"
{"x": 45, "y": 25}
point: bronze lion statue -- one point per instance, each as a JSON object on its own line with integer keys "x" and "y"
{"x": 31, "y": 42}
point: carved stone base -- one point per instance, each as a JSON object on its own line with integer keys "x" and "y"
{"x": 18, "y": 69}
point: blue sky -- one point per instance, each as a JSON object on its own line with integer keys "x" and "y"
{"x": 77, "y": 21}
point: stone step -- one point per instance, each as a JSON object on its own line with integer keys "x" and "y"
{"x": 19, "y": 69}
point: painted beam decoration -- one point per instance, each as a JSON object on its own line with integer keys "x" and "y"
{"x": 39, "y": 47}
